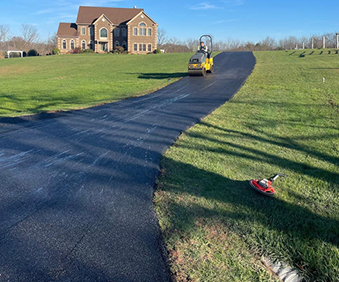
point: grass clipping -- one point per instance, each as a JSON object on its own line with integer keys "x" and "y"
{"x": 284, "y": 119}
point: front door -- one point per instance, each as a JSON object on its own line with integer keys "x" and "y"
{"x": 103, "y": 46}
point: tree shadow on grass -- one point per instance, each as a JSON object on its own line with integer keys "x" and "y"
{"x": 161, "y": 75}
{"x": 197, "y": 194}
{"x": 324, "y": 68}
{"x": 246, "y": 152}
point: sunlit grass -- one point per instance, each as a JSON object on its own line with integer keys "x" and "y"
{"x": 284, "y": 119}
{"x": 39, "y": 84}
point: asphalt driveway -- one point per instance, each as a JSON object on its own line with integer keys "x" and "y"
{"x": 76, "y": 190}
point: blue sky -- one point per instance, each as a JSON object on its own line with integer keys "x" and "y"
{"x": 237, "y": 19}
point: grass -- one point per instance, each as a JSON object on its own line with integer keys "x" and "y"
{"x": 284, "y": 119}
{"x": 39, "y": 84}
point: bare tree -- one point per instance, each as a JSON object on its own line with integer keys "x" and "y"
{"x": 218, "y": 46}
{"x": 4, "y": 32}
{"x": 268, "y": 43}
{"x": 331, "y": 40}
{"x": 17, "y": 42}
{"x": 192, "y": 44}
{"x": 162, "y": 37}
{"x": 29, "y": 34}
{"x": 53, "y": 40}
{"x": 174, "y": 41}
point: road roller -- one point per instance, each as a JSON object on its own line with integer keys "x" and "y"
{"x": 202, "y": 61}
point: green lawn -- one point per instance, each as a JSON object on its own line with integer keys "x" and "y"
{"x": 38, "y": 84}
{"x": 284, "y": 119}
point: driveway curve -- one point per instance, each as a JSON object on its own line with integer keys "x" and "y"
{"x": 76, "y": 191}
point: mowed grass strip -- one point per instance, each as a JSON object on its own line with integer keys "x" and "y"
{"x": 39, "y": 84}
{"x": 283, "y": 120}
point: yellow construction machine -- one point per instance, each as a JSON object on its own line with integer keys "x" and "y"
{"x": 202, "y": 61}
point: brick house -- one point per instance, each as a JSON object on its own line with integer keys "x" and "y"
{"x": 103, "y": 29}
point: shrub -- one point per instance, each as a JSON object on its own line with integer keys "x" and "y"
{"x": 119, "y": 50}
{"x": 14, "y": 55}
{"x": 87, "y": 51}
{"x": 157, "y": 51}
{"x": 32, "y": 53}
{"x": 56, "y": 51}
{"x": 2, "y": 55}
{"x": 76, "y": 50}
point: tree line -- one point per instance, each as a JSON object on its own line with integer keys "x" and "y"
{"x": 26, "y": 41}
{"x": 172, "y": 44}
{"x": 29, "y": 39}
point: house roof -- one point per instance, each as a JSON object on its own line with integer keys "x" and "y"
{"x": 67, "y": 29}
{"x": 103, "y": 16}
{"x": 87, "y": 15}
{"x": 145, "y": 15}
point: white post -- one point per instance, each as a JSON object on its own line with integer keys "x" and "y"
{"x": 312, "y": 43}
{"x": 324, "y": 42}
{"x": 337, "y": 34}
{"x": 303, "y": 45}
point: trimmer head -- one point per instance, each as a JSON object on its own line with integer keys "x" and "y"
{"x": 265, "y": 189}
{"x": 264, "y": 186}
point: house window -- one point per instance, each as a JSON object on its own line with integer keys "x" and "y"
{"x": 135, "y": 31}
{"x": 117, "y": 31}
{"x": 124, "y": 44}
{"x": 149, "y": 32}
{"x": 135, "y": 48}
{"x": 103, "y": 33}
{"x": 149, "y": 48}
{"x": 91, "y": 46}
{"x": 124, "y": 34}
{"x": 142, "y": 47}
{"x": 142, "y": 29}
{"x": 83, "y": 45}
{"x": 64, "y": 44}
{"x": 83, "y": 30}
{"x": 72, "y": 44}
{"x": 91, "y": 31}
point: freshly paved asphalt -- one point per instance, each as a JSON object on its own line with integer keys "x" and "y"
{"x": 76, "y": 190}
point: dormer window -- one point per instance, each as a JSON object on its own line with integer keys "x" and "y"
{"x": 103, "y": 33}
